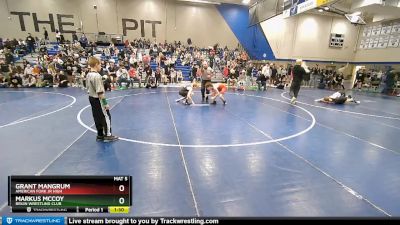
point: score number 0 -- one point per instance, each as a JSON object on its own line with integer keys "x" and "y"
{"x": 121, "y": 200}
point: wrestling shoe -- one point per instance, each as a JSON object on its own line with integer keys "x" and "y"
{"x": 207, "y": 99}
{"x": 224, "y": 102}
{"x": 110, "y": 138}
{"x": 213, "y": 103}
{"x": 99, "y": 138}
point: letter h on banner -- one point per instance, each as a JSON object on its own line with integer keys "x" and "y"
{"x": 36, "y": 22}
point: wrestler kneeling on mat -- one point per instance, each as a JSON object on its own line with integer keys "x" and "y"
{"x": 216, "y": 90}
{"x": 338, "y": 98}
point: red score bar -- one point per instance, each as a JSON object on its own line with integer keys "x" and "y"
{"x": 82, "y": 189}
{"x": 97, "y": 189}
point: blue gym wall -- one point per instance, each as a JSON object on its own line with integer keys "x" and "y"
{"x": 251, "y": 38}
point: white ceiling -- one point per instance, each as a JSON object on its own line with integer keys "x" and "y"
{"x": 232, "y": 1}
{"x": 369, "y": 12}
{"x": 380, "y": 13}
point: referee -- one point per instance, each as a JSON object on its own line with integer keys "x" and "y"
{"x": 98, "y": 101}
{"x": 298, "y": 74}
{"x": 205, "y": 74}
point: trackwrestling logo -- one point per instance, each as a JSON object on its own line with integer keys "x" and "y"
{"x": 33, "y": 220}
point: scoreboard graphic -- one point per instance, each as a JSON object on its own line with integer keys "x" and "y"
{"x": 77, "y": 194}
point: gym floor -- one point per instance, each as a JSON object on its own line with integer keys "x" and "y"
{"x": 256, "y": 156}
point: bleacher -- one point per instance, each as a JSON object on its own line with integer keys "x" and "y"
{"x": 186, "y": 70}
{"x": 52, "y": 49}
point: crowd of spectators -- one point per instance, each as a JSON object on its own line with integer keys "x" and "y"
{"x": 122, "y": 66}
{"x": 149, "y": 63}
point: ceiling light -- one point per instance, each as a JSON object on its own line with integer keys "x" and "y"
{"x": 320, "y": 10}
{"x": 326, "y": 8}
{"x": 356, "y": 13}
{"x": 246, "y": 2}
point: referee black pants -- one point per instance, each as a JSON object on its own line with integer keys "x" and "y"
{"x": 101, "y": 116}
{"x": 295, "y": 88}
{"x": 203, "y": 88}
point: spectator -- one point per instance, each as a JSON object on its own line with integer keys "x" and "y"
{"x": 5, "y": 69}
{"x": 15, "y": 80}
{"x": 122, "y": 77}
{"x": 389, "y": 81}
{"x": 148, "y": 70}
{"x": 46, "y": 35}
{"x": 233, "y": 77}
{"x": 339, "y": 80}
{"x": 74, "y": 38}
{"x": 133, "y": 76}
{"x": 262, "y": 82}
{"x": 30, "y": 42}
{"x": 194, "y": 72}
{"x": 112, "y": 69}
{"x": 249, "y": 76}
{"x": 173, "y": 76}
{"x": 58, "y": 36}
{"x": 9, "y": 57}
{"x": 36, "y": 70}
{"x": 63, "y": 80}
{"x": 179, "y": 76}
{"x": 274, "y": 75}
{"x": 31, "y": 82}
{"x": 360, "y": 75}
{"x": 158, "y": 76}
{"x": 3, "y": 81}
{"x": 83, "y": 40}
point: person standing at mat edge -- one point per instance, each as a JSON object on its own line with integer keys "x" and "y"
{"x": 298, "y": 75}
{"x": 98, "y": 101}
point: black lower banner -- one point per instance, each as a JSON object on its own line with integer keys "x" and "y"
{"x": 82, "y": 209}
{"x": 206, "y": 221}
{"x": 31, "y": 220}
{"x": 139, "y": 221}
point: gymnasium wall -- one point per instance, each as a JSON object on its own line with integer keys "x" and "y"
{"x": 165, "y": 19}
{"x": 376, "y": 55}
{"x": 307, "y": 36}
